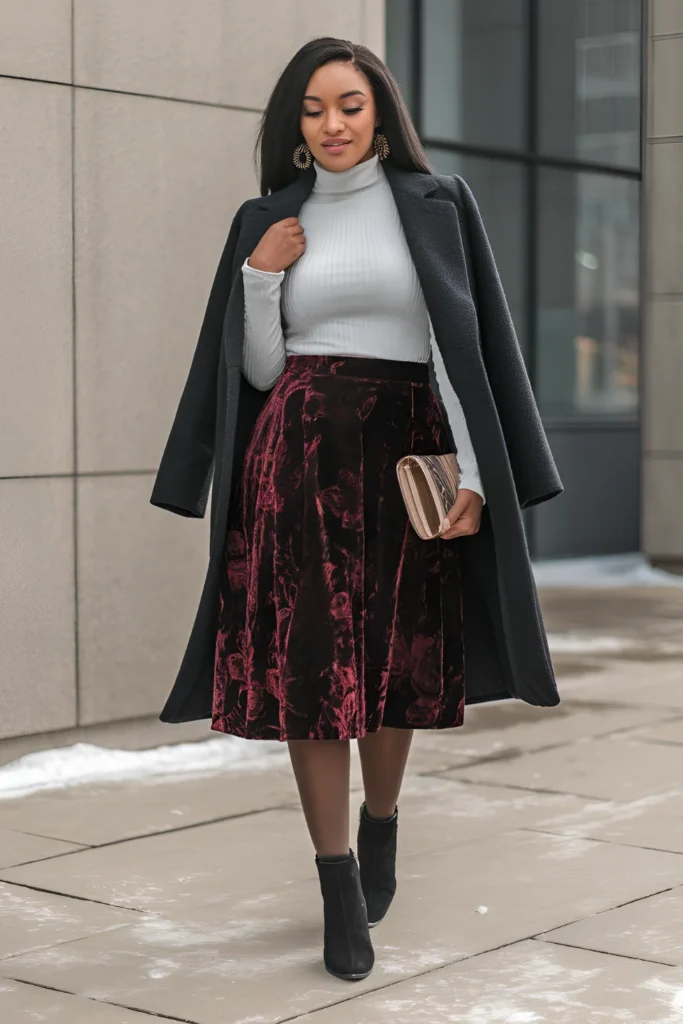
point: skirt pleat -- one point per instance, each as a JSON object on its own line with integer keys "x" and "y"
{"x": 335, "y": 618}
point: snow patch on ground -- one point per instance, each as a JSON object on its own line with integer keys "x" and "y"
{"x": 590, "y": 643}
{"x": 630, "y": 570}
{"x": 580, "y": 643}
{"x": 87, "y": 763}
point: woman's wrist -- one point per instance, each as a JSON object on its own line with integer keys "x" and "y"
{"x": 259, "y": 267}
{"x": 472, "y": 482}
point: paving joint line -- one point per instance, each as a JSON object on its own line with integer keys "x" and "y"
{"x": 599, "y": 839}
{"x": 185, "y": 828}
{"x": 663, "y": 743}
{"x": 523, "y": 789}
{"x": 62, "y": 942}
{"x": 149, "y": 1013}
{"x": 145, "y": 835}
{"x": 41, "y": 835}
{"x": 517, "y": 753}
{"x": 72, "y": 896}
{"x": 52, "y": 856}
{"x": 102, "y": 1002}
{"x": 617, "y": 906}
{"x": 605, "y": 952}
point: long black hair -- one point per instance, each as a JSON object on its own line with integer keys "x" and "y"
{"x": 280, "y": 133}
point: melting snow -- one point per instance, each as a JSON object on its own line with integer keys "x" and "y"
{"x": 585, "y": 643}
{"x": 631, "y": 570}
{"x": 85, "y": 762}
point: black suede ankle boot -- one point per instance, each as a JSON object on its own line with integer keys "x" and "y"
{"x": 377, "y": 858}
{"x": 348, "y": 952}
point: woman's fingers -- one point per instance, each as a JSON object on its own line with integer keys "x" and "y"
{"x": 464, "y": 518}
{"x": 466, "y": 526}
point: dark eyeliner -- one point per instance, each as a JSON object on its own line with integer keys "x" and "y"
{"x": 317, "y": 113}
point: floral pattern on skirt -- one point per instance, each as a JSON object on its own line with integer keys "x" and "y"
{"x": 335, "y": 618}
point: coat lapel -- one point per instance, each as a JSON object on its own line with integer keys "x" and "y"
{"x": 257, "y": 218}
{"x": 267, "y": 210}
{"x": 433, "y": 233}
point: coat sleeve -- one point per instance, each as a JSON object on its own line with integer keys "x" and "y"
{"x": 183, "y": 480}
{"x": 533, "y": 466}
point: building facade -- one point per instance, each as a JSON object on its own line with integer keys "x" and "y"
{"x": 127, "y": 146}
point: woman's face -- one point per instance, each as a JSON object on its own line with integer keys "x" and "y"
{"x": 338, "y": 116}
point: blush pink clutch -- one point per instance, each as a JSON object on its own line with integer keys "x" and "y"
{"x": 429, "y": 485}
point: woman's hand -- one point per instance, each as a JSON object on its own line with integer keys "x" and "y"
{"x": 465, "y": 516}
{"x": 280, "y": 246}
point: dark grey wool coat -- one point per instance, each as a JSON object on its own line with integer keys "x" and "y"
{"x": 506, "y": 648}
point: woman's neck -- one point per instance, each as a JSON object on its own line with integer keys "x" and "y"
{"x": 361, "y": 175}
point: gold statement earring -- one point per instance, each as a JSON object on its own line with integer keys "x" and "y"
{"x": 302, "y": 157}
{"x": 381, "y": 146}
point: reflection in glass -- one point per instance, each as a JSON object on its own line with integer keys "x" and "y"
{"x": 588, "y": 278}
{"x": 498, "y": 187}
{"x": 399, "y": 46}
{"x": 589, "y": 88}
{"x": 474, "y": 71}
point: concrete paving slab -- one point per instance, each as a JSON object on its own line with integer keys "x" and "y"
{"x": 20, "y": 847}
{"x": 105, "y": 813}
{"x": 438, "y": 812}
{"x": 512, "y": 727}
{"x": 648, "y": 929}
{"x": 653, "y": 822}
{"x": 426, "y": 755}
{"x": 607, "y": 769}
{"x": 31, "y": 920}
{"x": 20, "y": 1002}
{"x": 259, "y": 958}
{"x": 191, "y": 866}
{"x": 225, "y": 860}
{"x": 522, "y": 984}
{"x": 424, "y": 758}
{"x": 634, "y": 683}
{"x": 647, "y": 616}
{"x": 670, "y": 731}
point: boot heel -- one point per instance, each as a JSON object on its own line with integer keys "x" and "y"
{"x": 348, "y": 952}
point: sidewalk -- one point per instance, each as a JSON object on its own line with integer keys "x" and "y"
{"x": 540, "y": 871}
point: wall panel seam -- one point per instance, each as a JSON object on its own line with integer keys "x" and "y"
{"x": 140, "y": 95}
{"x": 84, "y": 474}
{"x": 77, "y": 673}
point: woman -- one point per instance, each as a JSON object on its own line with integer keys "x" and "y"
{"x": 324, "y": 618}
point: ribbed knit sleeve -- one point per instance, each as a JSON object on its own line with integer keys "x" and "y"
{"x": 467, "y": 460}
{"x": 263, "y": 356}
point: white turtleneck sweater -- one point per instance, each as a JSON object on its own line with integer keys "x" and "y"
{"x": 353, "y": 292}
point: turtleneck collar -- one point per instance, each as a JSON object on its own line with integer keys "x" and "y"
{"x": 341, "y": 182}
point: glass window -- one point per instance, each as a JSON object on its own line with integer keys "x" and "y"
{"x": 499, "y": 188}
{"x": 474, "y": 71}
{"x": 399, "y": 46}
{"x": 588, "y": 278}
{"x": 589, "y": 88}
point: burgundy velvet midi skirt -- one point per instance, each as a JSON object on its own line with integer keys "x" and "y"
{"x": 335, "y": 617}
